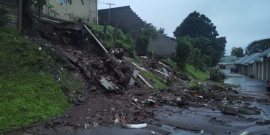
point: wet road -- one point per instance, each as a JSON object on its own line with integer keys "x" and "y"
{"x": 252, "y": 87}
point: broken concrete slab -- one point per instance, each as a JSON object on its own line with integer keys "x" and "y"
{"x": 108, "y": 84}
{"x": 165, "y": 71}
{"x": 70, "y": 56}
{"x": 132, "y": 81}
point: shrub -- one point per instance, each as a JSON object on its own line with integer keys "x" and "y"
{"x": 183, "y": 49}
{"x": 196, "y": 85}
{"x": 217, "y": 75}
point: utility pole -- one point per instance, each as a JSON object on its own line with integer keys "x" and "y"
{"x": 109, "y": 12}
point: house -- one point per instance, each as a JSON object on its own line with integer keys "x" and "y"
{"x": 71, "y": 12}
{"x": 15, "y": 11}
{"x": 256, "y": 64}
{"x": 128, "y": 20}
{"x": 228, "y": 61}
{"x": 164, "y": 46}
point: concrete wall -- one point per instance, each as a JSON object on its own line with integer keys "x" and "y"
{"x": 14, "y": 10}
{"x": 128, "y": 20}
{"x": 74, "y": 11}
{"x": 163, "y": 46}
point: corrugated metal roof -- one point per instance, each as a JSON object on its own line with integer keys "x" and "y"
{"x": 228, "y": 60}
{"x": 241, "y": 60}
{"x": 265, "y": 53}
{"x": 254, "y": 57}
{"x": 247, "y": 58}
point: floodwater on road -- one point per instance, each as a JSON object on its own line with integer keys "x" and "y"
{"x": 252, "y": 87}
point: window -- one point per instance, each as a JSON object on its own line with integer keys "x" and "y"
{"x": 62, "y": 1}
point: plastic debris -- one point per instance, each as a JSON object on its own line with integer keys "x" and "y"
{"x": 144, "y": 125}
{"x": 245, "y": 133}
{"x": 95, "y": 124}
{"x": 202, "y": 131}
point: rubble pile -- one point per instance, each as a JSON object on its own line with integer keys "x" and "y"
{"x": 112, "y": 92}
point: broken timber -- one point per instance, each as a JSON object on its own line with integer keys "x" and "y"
{"x": 163, "y": 64}
{"x": 162, "y": 73}
{"x": 137, "y": 66}
{"x": 145, "y": 81}
{"x": 96, "y": 39}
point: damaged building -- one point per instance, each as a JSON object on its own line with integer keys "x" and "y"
{"x": 78, "y": 10}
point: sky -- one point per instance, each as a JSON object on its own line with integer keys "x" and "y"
{"x": 240, "y": 21}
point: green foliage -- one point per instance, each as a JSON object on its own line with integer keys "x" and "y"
{"x": 204, "y": 36}
{"x": 4, "y": 19}
{"x": 196, "y": 25}
{"x": 150, "y": 77}
{"x": 69, "y": 82}
{"x": 237, "y": 51}
{"x": 122, "y": 39}
{"x": 161, "y": 30}
{"x": 258, "y": 46}
{"x": 147, "y": 33}
{"x": 28, "y": 93}
{"x": 196, "y": 56}
{"x": 196, "y": 85}
{"x": 198, "y": 74}
{"x": 217, "y": 75}
{"x": 182, "y": 50}
{"x": 232, "y": 85}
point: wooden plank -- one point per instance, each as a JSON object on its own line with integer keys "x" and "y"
{"x": 145, "y": 81}
{"x": 161, "y": 73}
{"x": 96, "y": 39}
{"x": 136, "y": 65}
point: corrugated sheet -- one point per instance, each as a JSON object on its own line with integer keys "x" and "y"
{"x": 265, "y": 53}
{"x": 13, "y": 10}
{"x": 247, "y": 59}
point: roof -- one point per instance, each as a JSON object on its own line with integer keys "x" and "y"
{"x": 265, "y": 53}
{"x": 248, "y": 59}
{"x": 256, "y": 56}
{"x": 228, "y": 60}
{"x": 116, "y": 8}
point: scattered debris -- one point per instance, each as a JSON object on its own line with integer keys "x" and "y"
{"x": 144, "y": 125}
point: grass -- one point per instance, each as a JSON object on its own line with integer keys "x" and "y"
{"x": 198, "y": 74}
{"x": 190, "y": 71}
{"x": 219, "y": 84}
{"x": 149, "y": 77}
{"x": 28, "y": 93}
{"x": 234, "y": 76}
{"x": 125, "y": 40}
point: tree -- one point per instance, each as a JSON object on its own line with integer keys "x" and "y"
{"x": 182, "y": 51}
{"x": 204, "y": 34}
{"x": 196, "y": 54}
{"x": 258, "y": 46}
{"x": 237, "y": 51}
{"x": 196, "y": 25}
{"x": 161, "y": 30}
{"x": 145, "y": 34}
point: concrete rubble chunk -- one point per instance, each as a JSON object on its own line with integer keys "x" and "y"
{"x": 132, "y": 81}
{"x": 108, "y": 84}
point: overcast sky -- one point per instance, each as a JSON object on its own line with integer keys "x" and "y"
{"x": 240, "y": 21}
